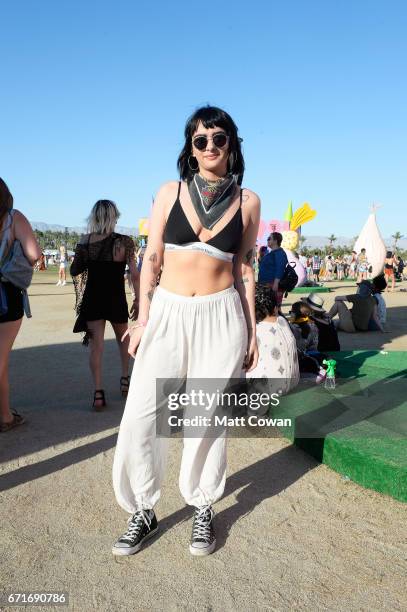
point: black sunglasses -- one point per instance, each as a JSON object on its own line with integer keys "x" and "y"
{"x": 219, "y": 140}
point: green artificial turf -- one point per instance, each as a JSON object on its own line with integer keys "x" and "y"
{"x": 359, "y": 429}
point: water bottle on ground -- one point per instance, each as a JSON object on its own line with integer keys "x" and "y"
{"x": 330, "y": 373}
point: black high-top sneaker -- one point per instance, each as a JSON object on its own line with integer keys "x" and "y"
{"x": 203, "y": 539}
{"x": 142, "y": 526}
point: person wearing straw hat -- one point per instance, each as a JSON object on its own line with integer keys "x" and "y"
{"x": 327, "y": 334}
{"x": 315, "y": 302}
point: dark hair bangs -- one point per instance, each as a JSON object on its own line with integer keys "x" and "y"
{"x": 211, "y": 117}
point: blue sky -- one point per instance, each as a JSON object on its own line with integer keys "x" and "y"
{"x": 94, "y": 98}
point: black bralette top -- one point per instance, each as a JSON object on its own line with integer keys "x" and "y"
{"x": 178, "y": 229}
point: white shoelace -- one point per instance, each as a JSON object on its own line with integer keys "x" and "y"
{"x": 136, "y": 524}
{"x": 202, "y": 522}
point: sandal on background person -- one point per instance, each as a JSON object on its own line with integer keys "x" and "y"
{"x": 99, "y": 396}
{"x": 17, "y": 420}
{"x": 124, "y": 385}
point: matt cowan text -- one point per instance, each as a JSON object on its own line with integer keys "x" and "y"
{"x": 225, "y": 421}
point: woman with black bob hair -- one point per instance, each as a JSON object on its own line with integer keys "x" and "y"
{"x": 211, "y": 117}
{"x": 198, "y": 323}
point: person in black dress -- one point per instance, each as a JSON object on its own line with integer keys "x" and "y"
{"x": 98, "y": 275}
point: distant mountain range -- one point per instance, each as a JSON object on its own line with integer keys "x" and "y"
{"x": 312, "y": 242}
{"x": 45, "y": 227}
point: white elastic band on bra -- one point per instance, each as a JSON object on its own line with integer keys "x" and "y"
{"x": 207, "y": 249}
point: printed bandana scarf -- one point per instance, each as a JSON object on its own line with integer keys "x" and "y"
{"x": 211, "y": 199}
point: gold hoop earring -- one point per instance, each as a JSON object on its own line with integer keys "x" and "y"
{"x": 189, "y": 164}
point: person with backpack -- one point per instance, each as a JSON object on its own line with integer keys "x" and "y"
{"x": 273, "y": 265}
{"x": 19, "y": 251}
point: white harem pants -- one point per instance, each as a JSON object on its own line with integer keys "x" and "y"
{"x": 185, "y": 337}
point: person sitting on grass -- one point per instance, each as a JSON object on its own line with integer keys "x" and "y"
{"x": 358, "y": 317}
{"x": 304, "y": 330}
{"x": 278, "y": 361}
{"x": 327, "y": 335}
{"x": 379, "y": 284}
{"x": 306, "y": 335}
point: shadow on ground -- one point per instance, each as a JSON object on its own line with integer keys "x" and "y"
{"x": 396, "y": 326}
{"x": 52, "y": 387}
{"x": 380, "y": 402}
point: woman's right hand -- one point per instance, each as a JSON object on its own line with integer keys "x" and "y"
{"x": 134, "y": 334}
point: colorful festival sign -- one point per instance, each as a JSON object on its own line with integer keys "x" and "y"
{"x": 273, "y": 225}
{"x": 143, "y": 227}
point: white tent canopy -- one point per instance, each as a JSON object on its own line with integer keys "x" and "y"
{"x": 371, "y": 240}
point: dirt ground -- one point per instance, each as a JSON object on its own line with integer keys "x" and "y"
{"x": 292, "y": 534}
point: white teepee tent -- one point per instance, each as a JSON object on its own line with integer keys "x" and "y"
{"x": 371, "y": 240}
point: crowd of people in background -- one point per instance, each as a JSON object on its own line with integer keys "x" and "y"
{"x": 199, "y": 311}
{"x": 328, "y": 267}
{"x": 103, "y": 259}
{"x": 320, "y": 267}
{"x": 291, "y": 349}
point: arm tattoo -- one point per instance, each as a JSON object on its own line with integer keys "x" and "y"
{"x": 117, "y": 245}
{"x": 244, "y": 280}
{"x": 153, "y": 282}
